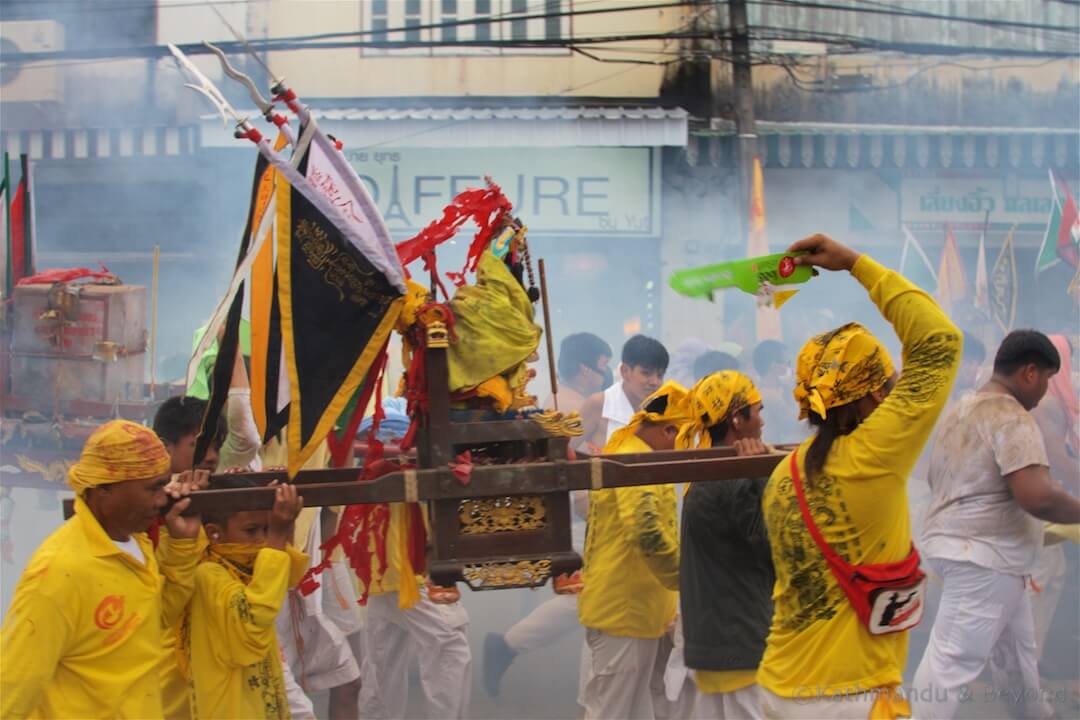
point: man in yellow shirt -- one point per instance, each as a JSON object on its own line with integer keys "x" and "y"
{"x": 820, "y": 660}
{"x": 726, "y": 574}
{"x": 631, "y": 570}
{"x": 84, "y": 632}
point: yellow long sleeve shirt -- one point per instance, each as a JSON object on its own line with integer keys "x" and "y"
{"x": 859, "y": 500}
{"x": 82, "y": 638}
{"x": 235, "y": 658}
{"x": 631, "y": 557}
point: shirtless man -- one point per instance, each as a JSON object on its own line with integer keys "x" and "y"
{"x": 583, "y": 370}
{"x": 641, "y": 372}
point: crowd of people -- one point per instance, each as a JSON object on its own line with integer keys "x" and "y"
{"x": 913, "y": 499}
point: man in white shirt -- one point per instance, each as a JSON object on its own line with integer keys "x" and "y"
{"x": 990, "y": 486}
{"x": 641, "y": 372}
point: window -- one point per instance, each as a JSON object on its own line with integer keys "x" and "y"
{"x": 482, "y": 12}
{"x": 519, "y": 25}
{"x": 378, "y": 20}
{"x": 449, "y": 15}
{"x": 412, "y": 21}
{"x": 448, "y": 21}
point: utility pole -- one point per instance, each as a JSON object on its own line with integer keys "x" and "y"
{"x": 745, "y": 129}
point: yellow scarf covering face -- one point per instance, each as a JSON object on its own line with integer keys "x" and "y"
{"x": 239, "y": 560}
{"x": 712, "y": 400}
{"x": 119, "y": 451}
{"x": 676, "y": 412}
{"x": 839, "y": 367}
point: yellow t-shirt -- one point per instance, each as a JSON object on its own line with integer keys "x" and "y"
{"x": 723, "y": 681}
{"x": 235, "y": 658}
{"x": 82, "y": 637}
{"x": 631, "y": 557}
{"x": 817, "y": 644}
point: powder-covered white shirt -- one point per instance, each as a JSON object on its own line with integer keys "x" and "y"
{"x": 973, "y": 515}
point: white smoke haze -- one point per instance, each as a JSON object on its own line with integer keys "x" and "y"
{"x": 193, "y": 206}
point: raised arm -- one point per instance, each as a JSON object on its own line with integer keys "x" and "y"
{"x": 896, "y": 431}
{"x": 242, "y": 442}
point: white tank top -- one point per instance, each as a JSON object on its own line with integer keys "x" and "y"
{"x": 617, "y": 409}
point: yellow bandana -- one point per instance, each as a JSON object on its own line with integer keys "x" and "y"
{"x": 239, "y": 560}
{"x": 675, "y": 413}
{"x": 715, "y": 398}
{"x": 839, "y": 367}
{"x": 119, "y": 451}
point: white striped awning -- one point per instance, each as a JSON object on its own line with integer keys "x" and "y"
{"x": 512, "y": 127}
{"x": 79, "y": 143}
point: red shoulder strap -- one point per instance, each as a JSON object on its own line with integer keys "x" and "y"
{"x": 830, "y": 555}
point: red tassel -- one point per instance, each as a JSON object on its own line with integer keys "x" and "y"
{"x": 463, "y": 467}
{"x": 487, "y": 207}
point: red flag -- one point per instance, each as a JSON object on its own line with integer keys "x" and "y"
{"x": 1069, "y": 228}
{"x": 22, "y": 228}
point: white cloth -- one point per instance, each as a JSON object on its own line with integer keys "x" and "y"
{"x": 317, "y": 651}
{"x": 300, "y": 705}
{"x": 242, "y": 442}
{"x": 621, "y": 677}
{"x": 679, "y": 688}
{"x": 435, "y": 634}
{"x": 551, "y": 620}
{"x": 677, "y": 694}
{"x": 983, "y": 613}
{"x": 548, "y": 623}
{"x": 617, "y": 409}
{"x": 741, "y": 704}
{"x": 973, "y": 516}
{"x": 340, "y": 602}
{"x": 813, "y": 707}
{"x": 131, "y": 548}
{"x": 312, "y": 642}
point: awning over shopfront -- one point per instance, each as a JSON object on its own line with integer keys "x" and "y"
{"x": 902, "y": 147}
{"x": 494, "y": 127}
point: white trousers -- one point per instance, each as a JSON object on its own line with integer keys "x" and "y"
{"x": 623, "y": 677}
{"x": 983, "y": 614}
{"x": 319, "y": 654}
{"x": 742, "y": 704}
{"x": 550, "y": 621}
{"x": 300, "y": 707}
{"x": 435, "y": 634}
{"x": 848, "y": 707}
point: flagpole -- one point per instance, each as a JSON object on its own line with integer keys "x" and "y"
{"x": 547, "y": 333}
{"x": 153, "y": 319}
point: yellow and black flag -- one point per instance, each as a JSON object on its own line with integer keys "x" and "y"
{"x": 336, "y": 301}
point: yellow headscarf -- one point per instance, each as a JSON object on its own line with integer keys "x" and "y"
{"x": 676, "y": 412}
{"x": 840, "y": 367}
{"x": 119, "y": 451}
{"x": 713, "y": 399}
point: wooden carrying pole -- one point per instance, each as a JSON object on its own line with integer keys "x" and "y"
{"x": 547, "y": 333}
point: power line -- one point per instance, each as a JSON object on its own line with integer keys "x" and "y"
{"x": 489, "y": 20}
{"x": 876, "y": 8}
